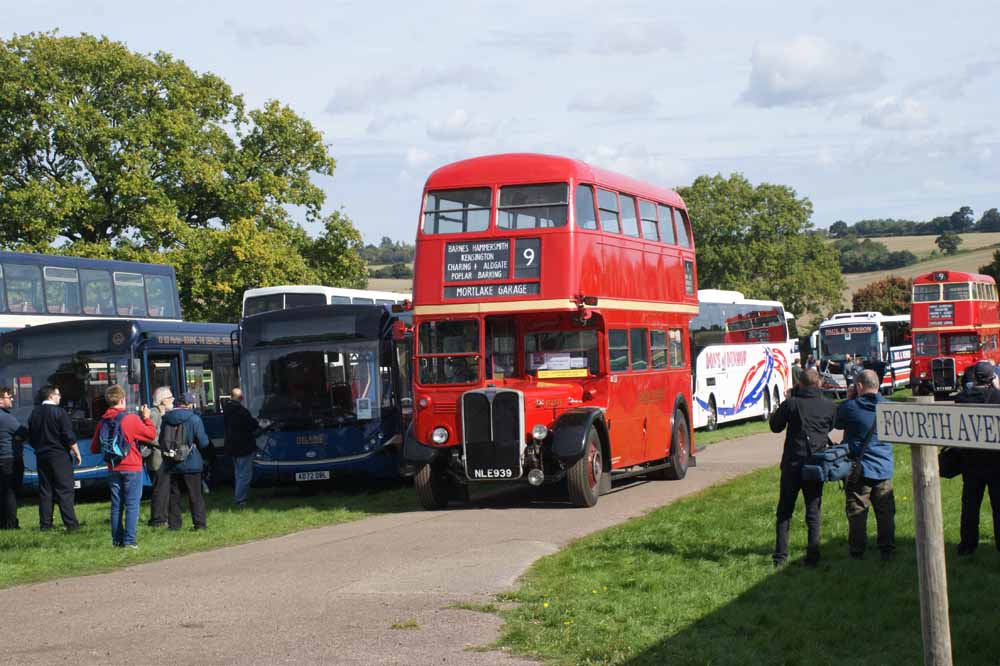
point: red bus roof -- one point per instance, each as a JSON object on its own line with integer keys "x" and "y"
{"x": 952, "y": 276}
{"x": 518, "y": 168}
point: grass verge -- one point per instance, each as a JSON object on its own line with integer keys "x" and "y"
{"x": 692, "y": 583}
{"x": 730, "y": 431}
{"x": 29, "y": 555}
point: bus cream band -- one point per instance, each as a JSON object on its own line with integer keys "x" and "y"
{"x": 961, "y": 426}
{"x": 555, "y": 304}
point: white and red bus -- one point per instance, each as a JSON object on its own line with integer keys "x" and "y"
{"x": 551, "y": 308}
{"x": 955, "y": 324}
{"x": 741, "y": 355}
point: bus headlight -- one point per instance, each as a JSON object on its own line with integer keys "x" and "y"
{"x": 539, "y": 432}
{"x": 439, "y": 435}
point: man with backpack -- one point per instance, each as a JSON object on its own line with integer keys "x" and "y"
{"x": 808, "y": 417}
{"x": 873, "y": 485}
{"x": 116, "y": 438}
{"x": 182, "y": 434}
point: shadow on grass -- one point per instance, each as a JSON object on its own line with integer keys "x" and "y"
{"x": 843, "y": 612}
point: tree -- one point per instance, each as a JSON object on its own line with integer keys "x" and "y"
{"x": 948, "y": 242}
{"x": 839, "y": 229}
{"x": 108, "y": 152}
{"x": 993, "y": 268}
{"x": 990, "y": 221}
{"x": 757, "y": 240}
{"x": 889, "y": 296}
{"x": 961, "y": 220}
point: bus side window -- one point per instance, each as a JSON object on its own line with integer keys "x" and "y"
{"x": 199, "y": 378}
{"x": 689, "y": 277}
{"x": 24, "y": 288}
{"x": 98, "y": 293}
{"x": 130, "y": 294}
{"x": 618, "y": 350}
{"x": 676, "y": 348}
{"x": 658, "y": 346}
{"x": 62, "y": 290}
{"x": 683, "y": 237}
{"x": 647, "y": 215}
{"x": 630, "y": 223}
{"x": 640, "y": 349}
{"x": 667, "y": 225}
{"x": 160, "y": 296}
{"x": 585, "y": 209}
{"x": 608, "y": 203}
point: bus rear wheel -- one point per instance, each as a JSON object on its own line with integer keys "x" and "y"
{"x": 433, "y": 488}
{"x": 713, "y": 415}
{"x": 583, "y": 478}
{"x": 680, "y": 449}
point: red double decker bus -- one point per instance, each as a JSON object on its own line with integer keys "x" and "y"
{"x": 551, "y": 306}
{"x": 955, "y": 324}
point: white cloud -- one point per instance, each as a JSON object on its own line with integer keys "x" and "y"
{"x": 890, "y": 113}
{"x": 363, "y": 95}
{"x": 809, "y": 70}
{"x": 637, "y": 161}
{"x": 457, "y": 126}
{"x": 416, "y": 156}
{"x": 610, "y": 102}
{"x": 825, "y": 157}
{"x": 270, "y": 35}
{"x": 383, "y": 121}
{"x": 637, "y": 38}
{"x": 954, "y": 84}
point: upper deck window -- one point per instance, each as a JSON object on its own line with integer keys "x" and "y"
{"x": 667, "y": 225}
{"x": 683, "y": 237}
{"x": 586, "y": 217}
{"x": 98, "y": 293}
{"x": 62, "y": 290}
{"x": 647, "y": 214}
{"x": 926, "y": 292}
{"x": 630, "y": 224}
{"x": 608, "y": 205}
{"x": 457, "y": 211}
{"x": 130, "y": 294}
{"x": 958, "y": 291}
{"x": 24, "y": 288}
{"x": 160, "y": 295}
{"x": 533, "y": 206}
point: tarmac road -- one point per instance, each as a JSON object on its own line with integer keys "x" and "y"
{"x": 330, "y": 595}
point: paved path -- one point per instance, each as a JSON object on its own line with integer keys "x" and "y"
{"x": 330, "y": 595}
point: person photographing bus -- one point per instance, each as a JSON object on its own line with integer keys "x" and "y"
{"x": 873, "y": 486}
{"x": 51, "y": 433}
{"x": 807, "y": 417}
{"x": 980, "y": 468}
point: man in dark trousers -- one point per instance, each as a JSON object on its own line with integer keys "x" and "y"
{"x": 185, "y": 475}
{"x": 980, "y": 469}
{"x": 51, "y": 435}
{"x": 240, "y": 444}
{"x": 11, "y": 463}
{"x": 808, "y": 417}
{"x": 856, "y": 416}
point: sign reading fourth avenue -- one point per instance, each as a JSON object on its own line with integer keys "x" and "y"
{"x": 477, "y": 261}
{"x": 961, "y": 426}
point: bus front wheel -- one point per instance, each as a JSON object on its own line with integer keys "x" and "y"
{"x": 583, "y": 478}
{"x": 767, "y": 406}
{"x": 432, "y": 486}
{"x": 680, "y": 449}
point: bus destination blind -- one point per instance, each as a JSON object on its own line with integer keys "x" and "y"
{"x": 490, "y": 261}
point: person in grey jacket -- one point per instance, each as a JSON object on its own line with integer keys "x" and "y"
{"x": 12, "y": 432}
{"x": 163, "y": 402}
{"x": 185, "y": 476}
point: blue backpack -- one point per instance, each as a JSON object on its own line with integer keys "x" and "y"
{"x": 114, "y": 446}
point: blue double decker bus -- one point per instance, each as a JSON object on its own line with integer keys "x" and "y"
{"x": 83, "y": 358}
{"x": 331, "y": 386}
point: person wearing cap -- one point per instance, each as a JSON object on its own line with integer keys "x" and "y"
{"x": 185, "y": 476}
{"x": 980, "y": 469}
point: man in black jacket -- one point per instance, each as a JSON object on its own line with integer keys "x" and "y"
{"x": 240, "y": 444}
{"x": 808, "y": 417}
{"x": 980, "y": 469}
{"x": 51, "y": 435}
{"x": 11, "y": 463}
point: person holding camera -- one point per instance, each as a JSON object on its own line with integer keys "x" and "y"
{"x": 808, "y": 416}
{"x": 870, "y": 482}
{"x": 980, "y": 469}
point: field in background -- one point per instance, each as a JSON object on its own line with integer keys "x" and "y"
{"x": 388, "y": 284}
{"x": 922, "y": 246}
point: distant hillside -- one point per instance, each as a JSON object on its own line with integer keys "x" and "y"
{"x": 922, "y": 246}
{"x": 968, "y": 261}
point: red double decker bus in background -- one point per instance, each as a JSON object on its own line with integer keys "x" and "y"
{"x": 955, "y": 324}
{"x": 551, "y": 306}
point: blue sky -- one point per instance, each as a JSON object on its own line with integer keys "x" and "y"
{"x": 884, "y": 109}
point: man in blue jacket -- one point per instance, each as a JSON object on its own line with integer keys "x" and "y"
{"x": 181, "y": 426}
{"x": 856, "y": 416}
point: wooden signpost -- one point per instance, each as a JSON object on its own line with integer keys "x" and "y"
{"x": 925, "y": 425}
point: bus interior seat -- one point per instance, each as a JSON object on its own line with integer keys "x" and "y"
{"x": 342, "y": 396}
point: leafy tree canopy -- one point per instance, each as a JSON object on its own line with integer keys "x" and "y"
{"x": 108, "y": 152}
{"x": 757, "y": 240}
{"x": 993, "y": 268}
{"x": 948, "y": 242}
{"x": 890, "y": 296}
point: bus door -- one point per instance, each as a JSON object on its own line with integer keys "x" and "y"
{"x": 628, "y": 359}
{"x": 162, "y": 368}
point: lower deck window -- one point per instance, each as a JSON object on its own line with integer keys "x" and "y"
{"x": 561, "y": 350}
{"x": 925, "y": 344}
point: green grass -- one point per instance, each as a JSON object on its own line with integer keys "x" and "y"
{"x": 730, "y": 431}
{"x": 405, "y": 625}
{"x": 693, "y": 583}
{"x": 29, "y": 555}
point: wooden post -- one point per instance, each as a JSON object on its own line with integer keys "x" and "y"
{"x": 935, "y": 626}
